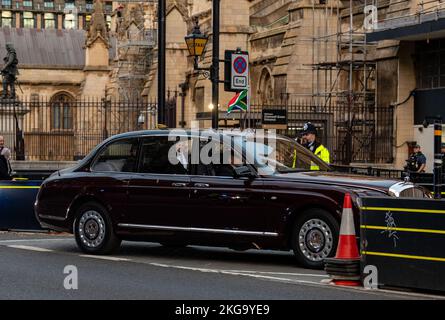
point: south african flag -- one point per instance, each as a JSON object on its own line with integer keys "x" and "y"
{"x": 238, "y": 102}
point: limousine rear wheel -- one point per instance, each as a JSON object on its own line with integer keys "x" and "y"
{"x": 93, "y": 230}
{"x": 315, "y": 237}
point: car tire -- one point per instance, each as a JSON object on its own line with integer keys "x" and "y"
{"x": 93, "y": 230}
{"x": 314, "y": 238}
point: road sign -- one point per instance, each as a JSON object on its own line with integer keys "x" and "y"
{"x": 240, "y": 71}
{"x": 236, "y": 71}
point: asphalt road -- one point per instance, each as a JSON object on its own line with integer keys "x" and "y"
{"x": 32, "y": 267}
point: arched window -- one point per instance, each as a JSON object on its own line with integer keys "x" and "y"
{"x": 62, "y": 112}
{"x": 265, "y": 88}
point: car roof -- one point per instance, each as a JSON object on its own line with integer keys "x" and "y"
{"x": 211, "y": 132}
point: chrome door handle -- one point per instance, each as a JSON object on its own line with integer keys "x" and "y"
{"x": 179, "y": 185}
{"x": 202, "y": 185}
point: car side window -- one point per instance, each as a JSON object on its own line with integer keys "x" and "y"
{"x": 120, "y": 156}
{"x": 161, "y": 156}
{"x": 228, "y": 161}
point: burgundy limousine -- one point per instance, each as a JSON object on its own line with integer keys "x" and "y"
{"x": 208, "y": 188}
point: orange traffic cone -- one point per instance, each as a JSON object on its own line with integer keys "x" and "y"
{"x": 344, "y": 269}
{"x": 347, "y": 243}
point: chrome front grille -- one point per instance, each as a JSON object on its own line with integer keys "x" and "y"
{"x": 407, "y": 190}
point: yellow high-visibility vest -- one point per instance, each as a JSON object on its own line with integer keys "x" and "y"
{"x": 323, "y": 153}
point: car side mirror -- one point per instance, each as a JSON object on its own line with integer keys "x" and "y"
{"x": 243, "y": 172}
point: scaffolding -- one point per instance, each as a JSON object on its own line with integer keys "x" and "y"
{"x": 136, "y": 39}
{"x": 344, "y": 75}
{"x": 342, "y": 70}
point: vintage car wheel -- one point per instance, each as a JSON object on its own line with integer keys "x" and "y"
{"x": 93, "y": 230}
{"x": 314, "y": 238}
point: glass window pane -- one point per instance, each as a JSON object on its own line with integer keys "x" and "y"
{"x": 120, "y": 156}
{"x": 155, "y": 157}
{"x": 48, "y": 4}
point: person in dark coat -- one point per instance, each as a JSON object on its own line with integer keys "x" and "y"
{"x": 5, "y": 155}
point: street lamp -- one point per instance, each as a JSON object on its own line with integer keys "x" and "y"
{"x": 196, "y": 43}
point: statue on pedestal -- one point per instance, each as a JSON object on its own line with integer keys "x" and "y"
{"x": 9, "y": 72}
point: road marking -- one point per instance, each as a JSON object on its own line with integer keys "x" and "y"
{"x": 19, "y": 187}
{"x": 30, "y": 248}
{"x": 281, "y": 273}
{"x": 104, "y": 257}
{"x": 234, "y": 273}
{"x": 34, "y": 240}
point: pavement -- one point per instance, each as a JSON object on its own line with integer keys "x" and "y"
{"x": 32, "y": 266}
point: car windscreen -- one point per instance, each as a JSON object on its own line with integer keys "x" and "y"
{"x": 278, "y": 154}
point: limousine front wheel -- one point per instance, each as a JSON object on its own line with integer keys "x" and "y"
{"x": 93, "y": 230}
{"x": 315, "y": 237}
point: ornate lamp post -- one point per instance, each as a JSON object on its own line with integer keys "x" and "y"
{"x": 196, "y": 43}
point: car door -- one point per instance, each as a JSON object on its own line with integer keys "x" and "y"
{"x": 222, "y": 203}
{"x": 109, "y": 177}
{"x": 159, "y": 191}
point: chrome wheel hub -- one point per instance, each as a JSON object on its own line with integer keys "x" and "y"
{"x": 91, "y": 229}
{"x": 315, "y": 240}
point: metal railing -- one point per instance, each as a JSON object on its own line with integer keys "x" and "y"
{"x": 66, "y": 129}
{"x": 352, "y": 133}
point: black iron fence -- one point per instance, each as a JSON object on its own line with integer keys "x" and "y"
{"x": 64, "y": 129}
{"x": 352, "y": 134}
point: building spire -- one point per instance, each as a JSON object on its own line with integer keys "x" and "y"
{"x": 97, "y": 27}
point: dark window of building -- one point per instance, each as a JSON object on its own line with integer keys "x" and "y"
{"x": 70, "y": 4}
{"x": 430, "y": 64}
{"x": 6, "y": 3}
{"x": 27, "y": 4}
{"x": 70, "y": 21}
{"x": 108, "y": 6}
{"x": 6, "y": 19}
{"x": 62, "y": 112}
{"x": 49, "y": 21}
{"x": 108, "y": 21}
{"x": 48, "y": 4}
{"x": 199, "y": 99}
{"x": 89, "y": 5}
{"x": 28, "y": 20}
{"x": 120, "y": 156}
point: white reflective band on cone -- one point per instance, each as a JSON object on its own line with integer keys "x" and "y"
{"x": 347, "y": 223}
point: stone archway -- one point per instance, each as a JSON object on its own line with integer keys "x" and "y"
{"x": 265, "y": 87}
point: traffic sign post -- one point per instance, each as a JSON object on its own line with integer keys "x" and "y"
{"x": 236, "y": 70}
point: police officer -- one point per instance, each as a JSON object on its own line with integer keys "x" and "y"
{"x": 416, "y": 161}
{"x": 5, "y": 155}
{"x": 309, "y": 135}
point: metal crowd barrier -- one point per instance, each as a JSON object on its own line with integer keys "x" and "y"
{"x": 17, "y": 205}
{"x": 405, "y": 240}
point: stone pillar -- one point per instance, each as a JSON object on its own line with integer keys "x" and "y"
{"x": 18, "y": 20}
{"x": 39, "y": 21}
{"x": 60, "y": 21}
